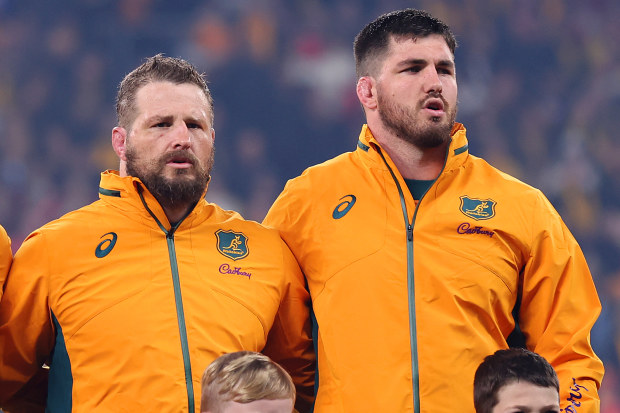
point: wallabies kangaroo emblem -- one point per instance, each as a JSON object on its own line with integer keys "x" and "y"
{"x": 231, "y": 244}
{"x": 234, "y": 243}
{"x": 478, "y": 209}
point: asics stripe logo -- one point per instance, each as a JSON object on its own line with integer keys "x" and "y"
{"x": 105, "y": 246}
{"x": 344, "y": 207}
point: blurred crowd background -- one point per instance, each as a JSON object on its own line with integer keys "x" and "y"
{"x": 539, "y": 88}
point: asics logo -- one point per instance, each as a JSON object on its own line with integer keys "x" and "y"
{"x": 105, "y": 246}
{"x": 344, "y": 207}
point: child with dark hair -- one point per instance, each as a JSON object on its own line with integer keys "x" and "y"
{"x": 516, "y": 380}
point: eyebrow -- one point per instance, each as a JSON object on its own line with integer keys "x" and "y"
{"x": 159, "y": 118}
{"x": 170, "y": 119}
{"x": 412, "y": 62}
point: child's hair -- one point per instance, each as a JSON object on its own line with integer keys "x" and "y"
{"x": 508, "y": 366}
{"x": 244, "y": 377}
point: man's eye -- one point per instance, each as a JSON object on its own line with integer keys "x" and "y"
{"x": 161, "y": 125}
{"x": 414, "y": 69}
{"x": 193, "y": 126}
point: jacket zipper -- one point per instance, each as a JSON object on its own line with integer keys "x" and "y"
{"x": 178, "y": 299}
{"x": 415, "y": 373}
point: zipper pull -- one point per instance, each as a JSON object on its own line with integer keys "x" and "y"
{"x": 410, "y": 232}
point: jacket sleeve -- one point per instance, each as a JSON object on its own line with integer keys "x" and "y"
{"x": 289, "y": 342}
{"x": 6, "y": 257}
{"x": 26, "y": 331}
{"x": 559, "y": 306}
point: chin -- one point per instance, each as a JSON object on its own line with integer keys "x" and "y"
{"x": 182, "y": 173}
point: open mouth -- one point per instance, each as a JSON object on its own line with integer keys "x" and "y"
{"x": 435, "y": 105}
{"x": 180, "y": 160}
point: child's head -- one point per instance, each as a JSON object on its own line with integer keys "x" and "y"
{"x": 246, "y": 381}
{"x": 516, "y": 379}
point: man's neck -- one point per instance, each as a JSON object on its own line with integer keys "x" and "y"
{"x": 413, "y": 162}
{"x": 176, "y": 213}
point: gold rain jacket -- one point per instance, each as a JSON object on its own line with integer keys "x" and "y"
{"x": 410, "y": 298}
{"x": 6, "y": 257}
{"x": 128, "y": 311}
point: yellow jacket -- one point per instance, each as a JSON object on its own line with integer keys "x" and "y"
{"x": 410, "y": 298}
{"x": 129, "y": 312}
{"x": 6, "y": 256}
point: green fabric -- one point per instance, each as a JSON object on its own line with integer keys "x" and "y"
{"x": 418, "y": 187}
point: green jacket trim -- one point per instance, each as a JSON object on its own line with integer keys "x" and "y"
{"x": 362, "y": 146}
{"x": 460, "y": 150}
{"x": 109, "y": 192}
{"x": 60, "y": 380}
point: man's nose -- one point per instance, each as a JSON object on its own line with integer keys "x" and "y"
{"x": 181, "y": 136}
{"x": 432, "y": 82}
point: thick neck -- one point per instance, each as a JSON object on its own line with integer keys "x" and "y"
{"x": 412, "y": 162}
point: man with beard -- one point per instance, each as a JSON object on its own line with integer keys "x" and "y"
{"x": 420, "y": 258}
{"x": 127, "y": 300}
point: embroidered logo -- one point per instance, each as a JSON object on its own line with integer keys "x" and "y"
{"x": 227, "y": 269}
{"x": 576, "y": 393}
{"x": 106, "y": 246}
{"x": 465, "y": 228}
{"x": 478, "y": 209}
{"x": 233, "y": 245}
{"x": 344, "y": 207}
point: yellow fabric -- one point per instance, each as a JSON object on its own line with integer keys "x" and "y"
{"x": 118, "y": 313}
{"x": 6, "y": 257}
{"x": 467, "y": 269}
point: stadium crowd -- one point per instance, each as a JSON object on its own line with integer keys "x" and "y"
{"x": 539, "y": 94}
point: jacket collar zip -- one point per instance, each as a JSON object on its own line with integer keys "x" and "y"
{"x": 114, "y": 188}
{"x": 173, "y": 227}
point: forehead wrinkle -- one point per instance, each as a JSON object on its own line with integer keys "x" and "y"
{"x": 157, "y": 106}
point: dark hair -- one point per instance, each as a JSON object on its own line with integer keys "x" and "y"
{"x": 156, "y": 68}
{"x": 505, "y": 367}
{"x": 373, "y": 40}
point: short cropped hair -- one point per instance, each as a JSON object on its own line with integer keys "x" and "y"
{"x": 244, "y": 377}
{"x": 373, "y": 41}
{"x": 158, "y": 68}
{"x": 505, "y": 367}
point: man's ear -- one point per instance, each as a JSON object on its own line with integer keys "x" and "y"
{"x": 119, "y": 142}
{"x": 367, "y": 92}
